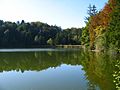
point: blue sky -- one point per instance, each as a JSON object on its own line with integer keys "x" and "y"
{"x": 64, "y": 13}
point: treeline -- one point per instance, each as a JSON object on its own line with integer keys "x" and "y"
{"x": 102, "y": 30}
{"x": 35, "y": 34}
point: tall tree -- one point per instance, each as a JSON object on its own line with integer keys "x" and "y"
{"x": 113, "y": 33}
{"x": 86, "y": 33}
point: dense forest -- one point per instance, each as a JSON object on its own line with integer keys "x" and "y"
{"x": 102, "y": 30}
{"x": 35, "y": 34}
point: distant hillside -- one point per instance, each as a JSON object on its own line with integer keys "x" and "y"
{"x": 35, "y": 34}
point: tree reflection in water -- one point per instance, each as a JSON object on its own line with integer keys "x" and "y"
{"x": 101, "y": 69}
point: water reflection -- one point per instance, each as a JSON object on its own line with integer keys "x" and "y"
{"x": 98, "y": 70}
{"x": 37, "y": 60}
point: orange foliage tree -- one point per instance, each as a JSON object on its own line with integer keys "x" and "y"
{"x": 101, "y": 19}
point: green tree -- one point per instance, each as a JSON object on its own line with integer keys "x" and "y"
{"x": 50, "y": 41}
{"x": 92, "y": 11}
{"x": 113, "y": 33}
{"x": 85, "y": 39}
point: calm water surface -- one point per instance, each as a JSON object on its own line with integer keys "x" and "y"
{"x": 58, "y": 69}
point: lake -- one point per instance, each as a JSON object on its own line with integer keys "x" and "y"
{"x": 58, "y": 69}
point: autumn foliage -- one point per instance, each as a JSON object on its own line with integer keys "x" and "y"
{"x": 100, "y": 20}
